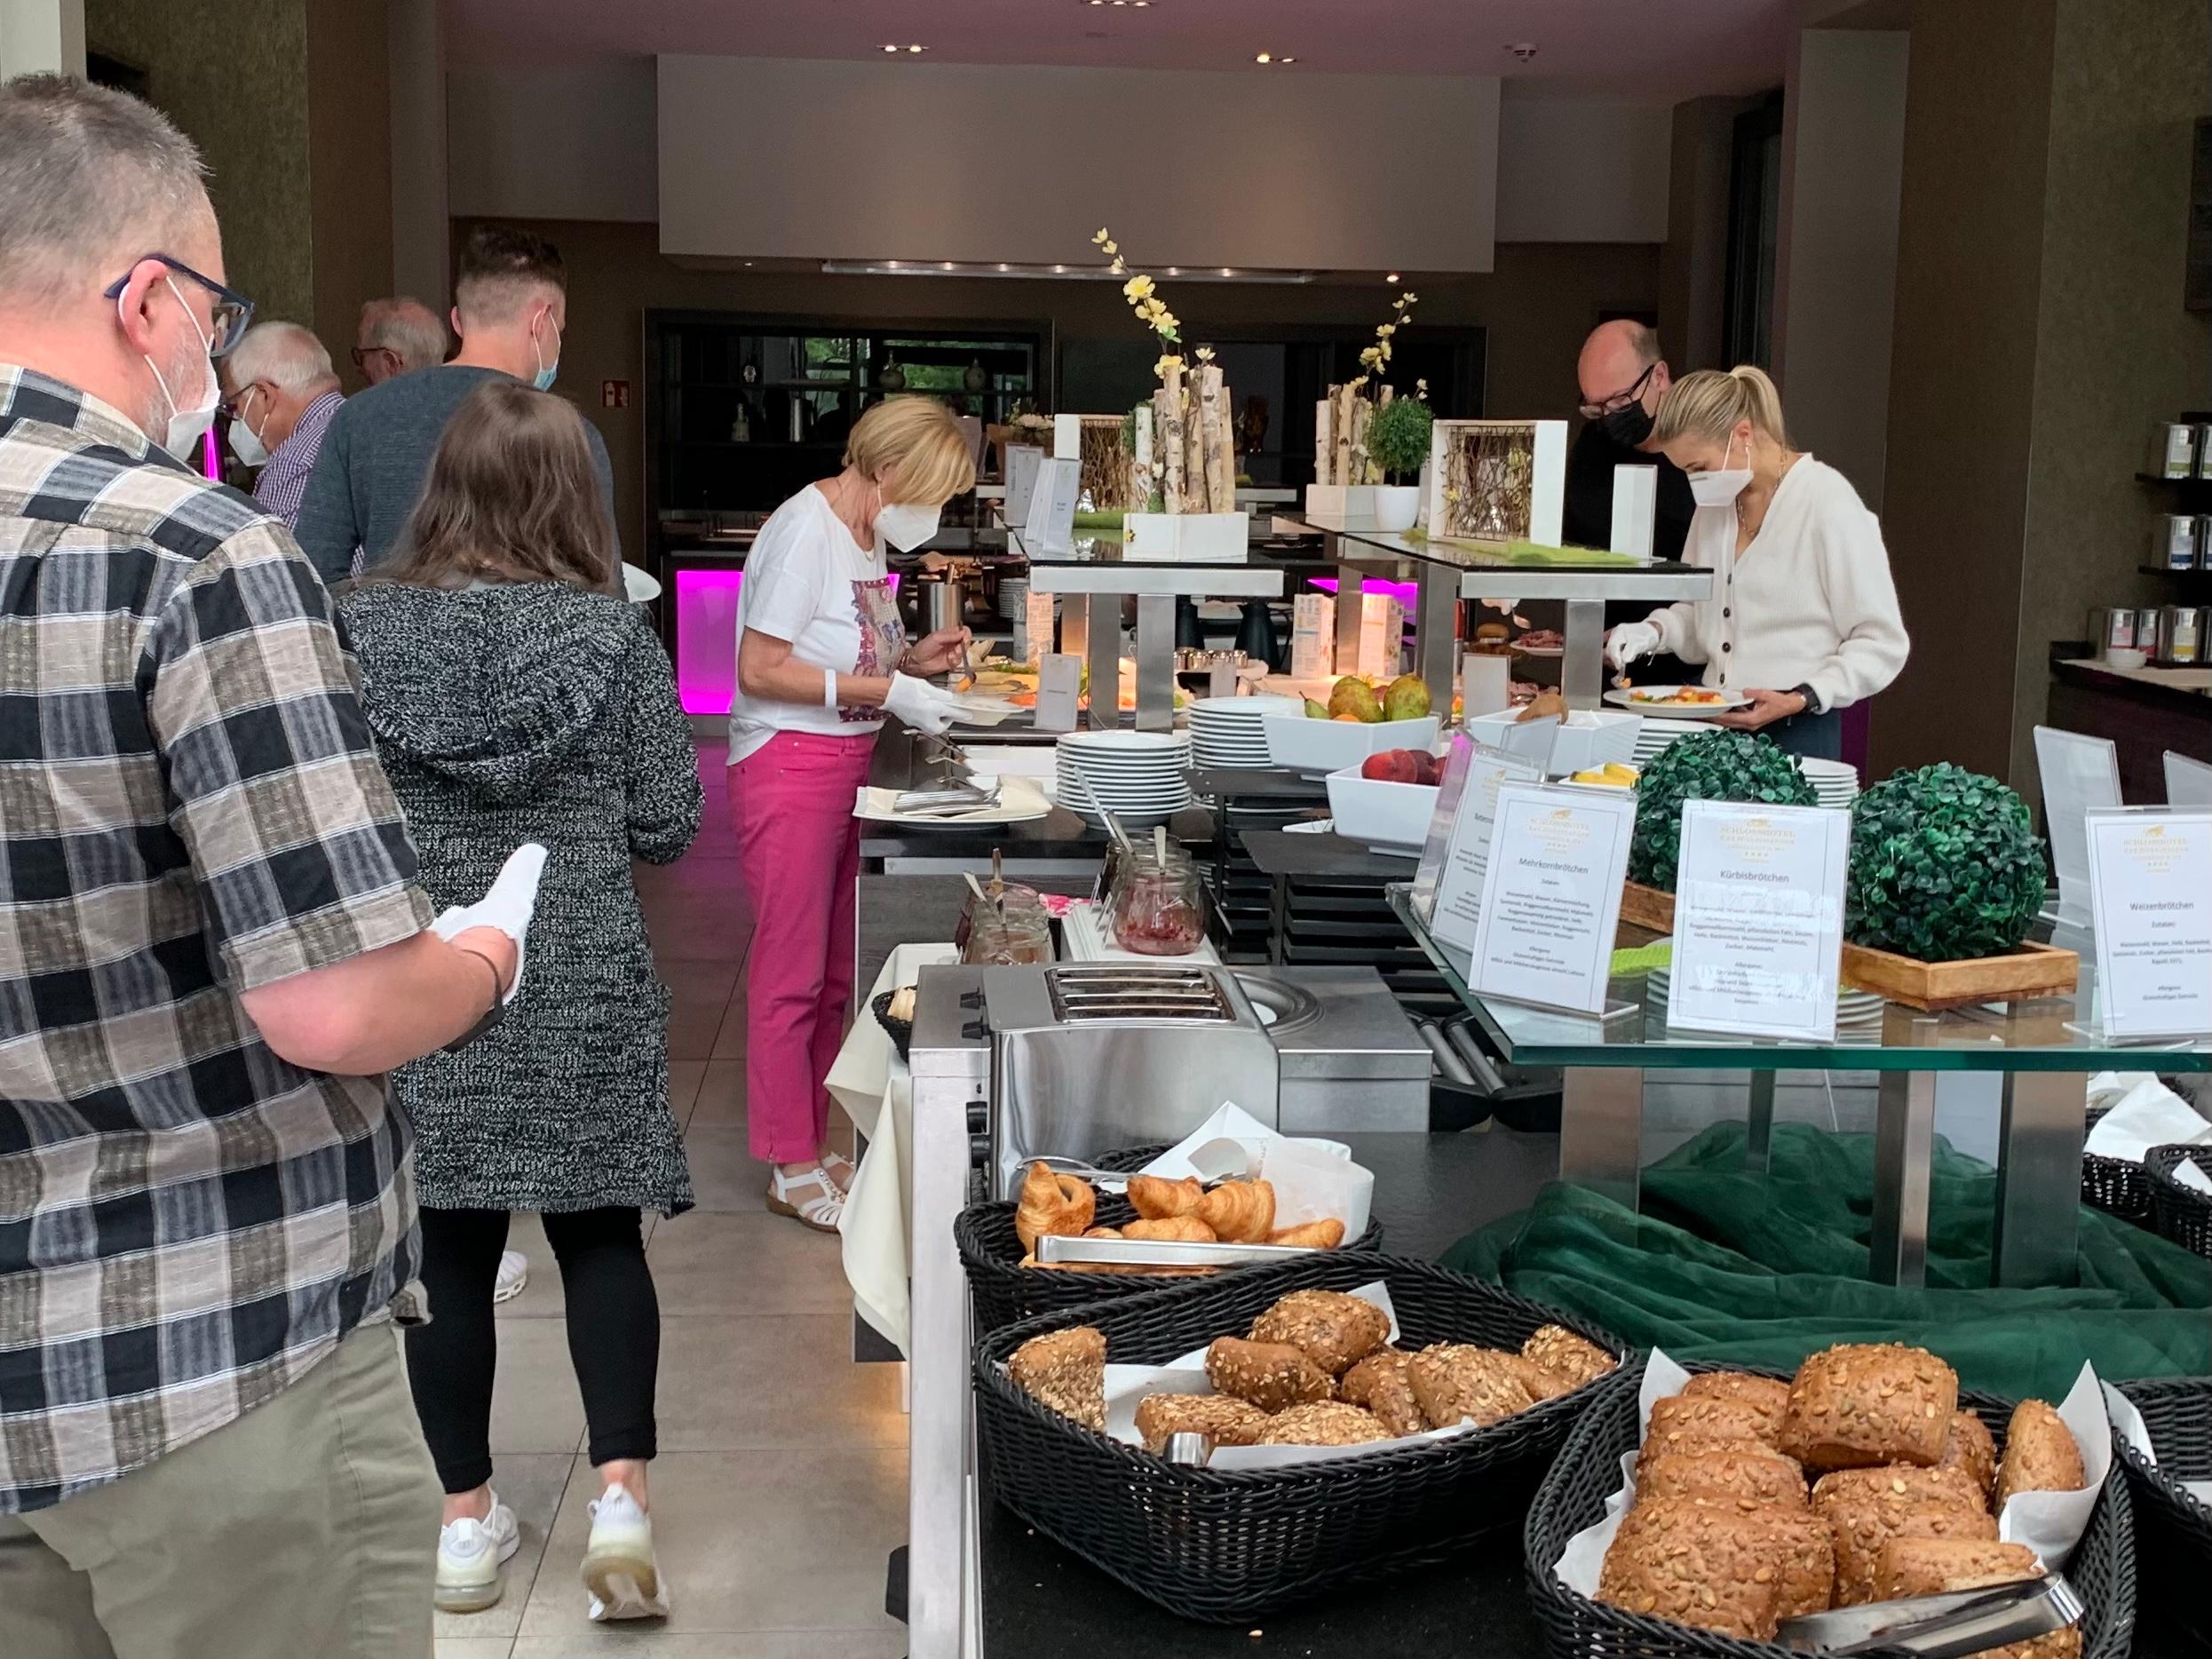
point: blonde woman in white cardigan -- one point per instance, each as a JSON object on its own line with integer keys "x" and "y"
{"x": 1804, "y": 618}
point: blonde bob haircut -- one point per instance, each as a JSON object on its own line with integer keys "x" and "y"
{"x": 914, "y": 448}
{"x": 1708, "y": 404}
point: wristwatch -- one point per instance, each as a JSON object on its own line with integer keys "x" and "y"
{"x": 1812, "y": 697}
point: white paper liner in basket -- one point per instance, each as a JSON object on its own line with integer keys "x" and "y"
{"x": 1127, "y": 1386}
{"x": 1314, "y": 1180}
{"x": 2128, "y": 1424}
{"x": 2049, "y": 1523}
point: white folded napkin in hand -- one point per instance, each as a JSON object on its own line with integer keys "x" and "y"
{"x": 2149, "y": 1115}
{"x": 508, "y": 907}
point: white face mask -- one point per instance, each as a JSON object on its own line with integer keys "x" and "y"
{"x": 246, "y": 444}
{"x": 186, "y": 424}
{"x": 1719, "y": 488}
{"x": 905, "y": 525}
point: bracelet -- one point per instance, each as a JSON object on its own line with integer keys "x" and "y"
{"x": 829, "y": 688}
{"x": 499, "y": 991}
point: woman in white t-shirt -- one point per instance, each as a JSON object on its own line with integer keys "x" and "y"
{"x": 1804, "y": 618}
{"x": 821, "y": 655}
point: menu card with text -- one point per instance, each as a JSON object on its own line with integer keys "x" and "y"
{"x": 1551, "y": 895}
{"x": 1758, "y": 920}
{"x": 2151, "y": 881}
{"x": 1447, "y": 886}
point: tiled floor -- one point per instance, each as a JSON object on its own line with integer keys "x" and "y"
{"x": 780, "y": 1487}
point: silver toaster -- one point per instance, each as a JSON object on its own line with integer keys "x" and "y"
{"x": 1094, "y": 1056}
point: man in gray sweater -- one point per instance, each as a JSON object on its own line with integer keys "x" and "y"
{"x": 510, "y": 307}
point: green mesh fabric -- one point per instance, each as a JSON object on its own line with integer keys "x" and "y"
{"x": 1728, "y": 1266}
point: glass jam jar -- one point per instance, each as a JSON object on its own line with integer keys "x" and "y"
{"x": 1158, "y": 906}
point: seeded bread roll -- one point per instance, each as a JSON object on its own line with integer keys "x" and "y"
{"x": 1334, "y": 1331}
{"x": 1969, "y": 1447}
{"x": 1713, "y": 1569}
{"x": 1577, "y": 1359}
{"x": 1904, "y": 1481}
{"x": 1329, "y": 1422}
{"x": 1381, "y": 1383}
{"x": 1688, "y": 1444}
{"x": 1769, "y": 1395}
{"x": 1754, "y": 1473}
{"x": 1273, "y": 1375}
{"x": 1869, "y": 1403}
{"x": 1805, "y": 1554}
{"x": 1066, "y": 1371}
{"x": 1710, "y": 1417}
{"x": 1928, "y": 1566}
{"x": 1457, "y": 1383}
{"x": 1541, "y": 1384}
{"x": 2039, "y": 1454}
{"x": 1863, "y": 1526}
{"x": 1228, "y": 1420}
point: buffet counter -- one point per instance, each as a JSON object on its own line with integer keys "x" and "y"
{"x": 2144, "y": 712}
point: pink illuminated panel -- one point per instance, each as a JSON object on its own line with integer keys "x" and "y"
{"x": 1403, "y": 592}
{"x": 706, "y": 638}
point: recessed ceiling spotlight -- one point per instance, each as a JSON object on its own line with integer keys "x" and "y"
{"x": 1393, "y": 277}
{"x": 1003, "y": 266}
{"x": 1523, "y": 49}
{"x": 1225, "y": 271}
{"x": 947, "y": 265}
{"x": 1060, "y": 270}
{"x": 893, "y": 264}
{"x": 1266, "y": 57}
{"x": 917, "y": 49}
{"x": 891, "y": 47}
{"x": 1289, "y": 61}
{"x": 1175, "y": 270}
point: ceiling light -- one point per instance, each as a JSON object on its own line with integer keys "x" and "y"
{"x": 947, "y": 265}
{"x": 893, "y": 264}
{"x": 1047, "y": 273}
{"x": 1393, "y": 277}
{"x": 917, "y": 49}
{"x": 890, "y": 48}
{"x": 1291, "y": 60}
{"x": 1225, "y": 271}
{"x": 1175, "y": 271}
{"x": 1266, "y": 57}
{"x": 1060, "y": 270}
{"x": 1523, "y": 49}
{"x": 1003, "y": 266}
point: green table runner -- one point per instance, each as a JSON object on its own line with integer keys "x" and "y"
{"x": 1726, "y": 1264}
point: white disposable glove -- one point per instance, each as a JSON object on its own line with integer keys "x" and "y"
{"x": 508, "y": 907}
{"x": 920, "y": 704}
{"x": 1630, "y": 641}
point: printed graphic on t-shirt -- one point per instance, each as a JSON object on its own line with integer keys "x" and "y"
{"x": 883, "y": 638}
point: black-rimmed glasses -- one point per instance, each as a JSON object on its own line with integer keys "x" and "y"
{"x": 233, "y": 312}
{"x": 1619, "y": 400}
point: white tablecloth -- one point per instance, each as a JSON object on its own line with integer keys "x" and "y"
{"x": 873, "y": 1086}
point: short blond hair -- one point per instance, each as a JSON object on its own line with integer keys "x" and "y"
{"x": 1710, "y": 403}
{"x": 914, "y": 448}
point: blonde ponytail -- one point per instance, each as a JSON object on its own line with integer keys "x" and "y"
{"x": 1708, "y": 404}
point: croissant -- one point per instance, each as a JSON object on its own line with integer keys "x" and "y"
{"x": 1052, "y": 1205}
{"x": 1239, "y": 1212}
{"x": 1102, "y": 1233}
{"x": 1325, "y": 1234}
{"x": 1174, "y": 1229}
{"x": 1156, "y": 1200}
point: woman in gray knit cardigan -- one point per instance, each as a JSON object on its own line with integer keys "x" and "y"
{"x": 514, "y": 699}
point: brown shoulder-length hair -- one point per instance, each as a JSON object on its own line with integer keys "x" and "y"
{"x": 511, "y": 496}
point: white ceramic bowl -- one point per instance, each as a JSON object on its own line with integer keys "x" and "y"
{"x": 1389, "y": 817}
{"x": 2123, "y": 658}
{"x": 1318, "y": 748}
{"x": 1590, "y": 738}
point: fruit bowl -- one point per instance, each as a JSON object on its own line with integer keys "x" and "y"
{"x": 1391, "y": 818}
{"x": 1317, "y": 748}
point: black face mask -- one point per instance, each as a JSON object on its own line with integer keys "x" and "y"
{"x": 1628, "y": 426}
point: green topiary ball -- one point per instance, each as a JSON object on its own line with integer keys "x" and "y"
{"x": 1713, "y": 766}
{"x": 1945, "y": 865}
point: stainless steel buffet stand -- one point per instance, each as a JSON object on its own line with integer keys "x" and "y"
{"x": 2047, "y": 1051}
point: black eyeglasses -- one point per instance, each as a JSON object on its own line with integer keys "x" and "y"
{"x": 1619, "y": 400}
{"x": 232, "y": 313}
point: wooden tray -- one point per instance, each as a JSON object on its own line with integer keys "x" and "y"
{"x": 2016, "y": 976}
{"x": 1647, "y": 907}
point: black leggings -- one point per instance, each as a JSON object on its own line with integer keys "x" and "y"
{"x": 613, "y": 1334}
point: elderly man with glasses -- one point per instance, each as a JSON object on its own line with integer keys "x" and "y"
{"x": 1622, "y": 378}
{"x": 281, "y": 392}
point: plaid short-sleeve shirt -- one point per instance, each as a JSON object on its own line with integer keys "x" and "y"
{"x": 189, "y": 808}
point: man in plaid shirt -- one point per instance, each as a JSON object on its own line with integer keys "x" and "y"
{"x": 211, "y": 942}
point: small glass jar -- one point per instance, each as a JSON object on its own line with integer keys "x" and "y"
{"x": 1019, "y": 930}
{"x": 1010, "y": 894}
{"x": 1158, "y": 906}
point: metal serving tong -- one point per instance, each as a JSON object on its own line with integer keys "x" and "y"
{"x": 1054, "y": 1252}
{"x": 949, "y": 799}
{"x": 1948, "y": 1626}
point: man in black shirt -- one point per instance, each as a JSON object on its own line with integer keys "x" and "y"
{"x": 1622, "y": 378}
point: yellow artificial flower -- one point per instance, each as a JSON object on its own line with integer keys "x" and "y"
{"x": 1112, "y": 248}
{"x": 1421, "y": 390}
{"x": 1370, "y": 357}
{"x": 1409, "y": 298}
{"x": 1136, "y": 289}
{"x": 1387, "y": 329}
{"x": 1205, "y": 353}
{"x": 1100, "y": 239}
{"x": 1168, "y": 361}
{"x": 1164, "y": 322}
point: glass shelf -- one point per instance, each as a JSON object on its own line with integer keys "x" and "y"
{"x": 2049, "y": 1033}
{"x": 1567, "y": 573}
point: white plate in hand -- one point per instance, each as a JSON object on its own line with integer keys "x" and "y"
{"x": 1640, "y": 698}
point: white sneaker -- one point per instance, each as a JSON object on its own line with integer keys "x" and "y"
{"x": 472, "y": 1558}
{"x": 514, "y": 1273}
{"x": 619, "y": 1569}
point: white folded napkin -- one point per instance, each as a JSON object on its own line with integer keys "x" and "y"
{"x": 2149, "y": 1115}
{"x": 508, "y": 907}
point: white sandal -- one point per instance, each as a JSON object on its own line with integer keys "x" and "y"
{"x": 821, "y": 1211}
{"x": 841, "y": 1171}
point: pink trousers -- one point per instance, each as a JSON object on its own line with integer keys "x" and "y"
{"x": 798, "y": 853}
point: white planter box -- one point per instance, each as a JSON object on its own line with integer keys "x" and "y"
{"x": 1347, "y": 506}
{"x": 1180, "y": 539}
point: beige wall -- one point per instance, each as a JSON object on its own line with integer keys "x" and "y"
{"x": 1537, "y": 304}
{"x": 2114, "y": 349}
{"x": 234, "y": 78}
{"x": 1581, "y": 168}
{"x": 800, "y": 159}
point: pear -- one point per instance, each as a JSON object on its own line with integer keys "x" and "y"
{"x": 1407, "y": 698}
{"x": 1353, "y": 696}
{"x": 1316, "y": 710}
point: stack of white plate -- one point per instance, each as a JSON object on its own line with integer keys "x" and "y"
{"x": 1226, "y": 731}
{"x": 1656, "y": 733}
{"x": 1836, "y": 782}
{"x": 1138, "y": 776}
